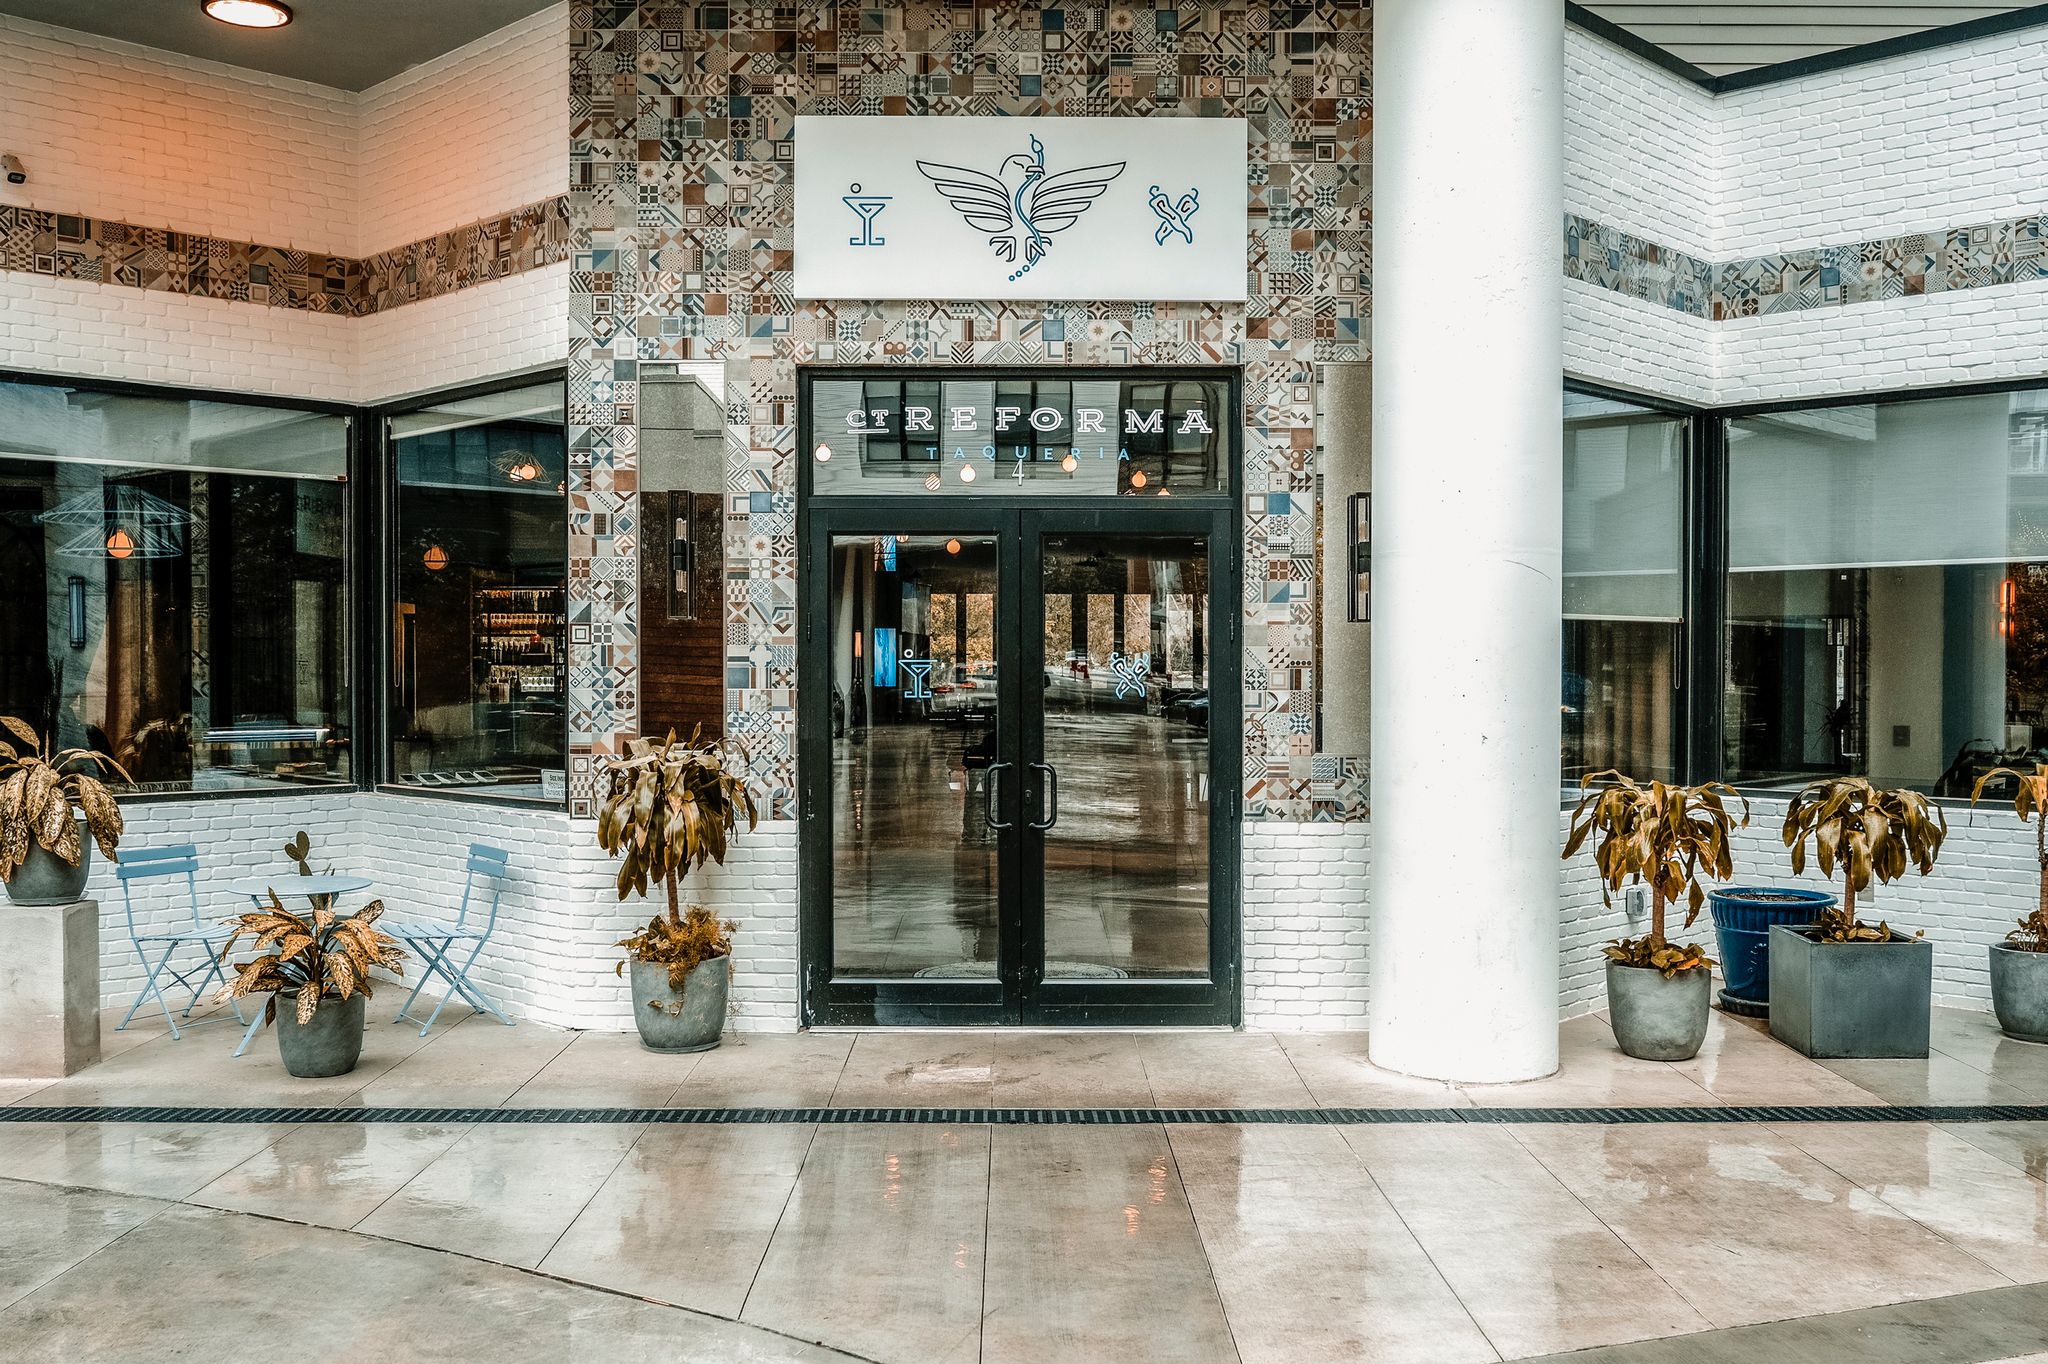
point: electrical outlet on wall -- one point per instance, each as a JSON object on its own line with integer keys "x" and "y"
{"x": 1902, "y": 736}
{"x": 1635, "y": 903}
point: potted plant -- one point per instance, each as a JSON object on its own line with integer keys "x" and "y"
{"x": 2019, "y": 965}
{"x": 1842, "y": 987}
{"x": 670, "y": 808}
{"x": 48, "y": 805}
{"x": 325, "y": 966}
{"x": 1743, "y": 919}
{"x": 1658, "y": 992}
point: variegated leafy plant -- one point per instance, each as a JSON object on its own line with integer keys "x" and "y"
{"x": 2029, "y": 801}
{"x": 1660, "y": 835}
{"x": 327, "y": 956}
{"x": 1870, "y": 834}
{"x": 671, "y": 807}
{"x": 43, "y": 794}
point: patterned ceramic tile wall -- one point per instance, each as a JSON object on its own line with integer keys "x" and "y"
{"x": 680, "y": 214}
{"x": 68, "y": 246}
{"x": 2014, "y": 251}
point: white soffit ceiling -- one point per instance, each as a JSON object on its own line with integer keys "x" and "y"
{"x": 1725, "y": 38}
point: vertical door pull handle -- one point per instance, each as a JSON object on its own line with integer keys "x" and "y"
{"x": 991, "y": 792}
{"x": 1052, "y": 796}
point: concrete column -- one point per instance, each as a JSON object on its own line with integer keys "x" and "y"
{"x": 1468, "y": 173}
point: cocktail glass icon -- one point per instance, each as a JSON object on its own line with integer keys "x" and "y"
{"x": 869, "y": 207}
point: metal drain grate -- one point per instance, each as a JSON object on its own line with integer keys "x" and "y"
{"x": 1054, "y": 1117}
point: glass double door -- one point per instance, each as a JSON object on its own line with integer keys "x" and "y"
{"x": 1019, "y": 744}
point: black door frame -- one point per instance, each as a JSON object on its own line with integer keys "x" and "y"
{"x": 1019, "y": 526}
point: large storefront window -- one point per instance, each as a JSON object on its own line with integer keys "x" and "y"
{"x": 479, "y": 668}
{"x": 1888, "y": 591}
{"x": 1624, "y": 471}
{"x": 176, "y": 593}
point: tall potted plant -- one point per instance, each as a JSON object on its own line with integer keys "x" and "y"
{"x": 49, "y": 803}
{"x": 324, "y": 964}
{"x": 1842, "y": 987}
{"x": 2019, "y": 965}
{"x": 670, "y": 808}
{"x": 1668, "y": 837}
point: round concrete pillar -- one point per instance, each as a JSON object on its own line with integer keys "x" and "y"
{"x": 1467, "y": 344}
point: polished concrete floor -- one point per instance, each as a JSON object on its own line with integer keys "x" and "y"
{"x": 794, "y": 1239}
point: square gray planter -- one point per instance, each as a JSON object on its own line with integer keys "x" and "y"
{"x": 1841, "y": 999}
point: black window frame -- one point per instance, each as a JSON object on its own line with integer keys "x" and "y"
{"x": 380, "y": 551}
{"x": 355, "y": 587}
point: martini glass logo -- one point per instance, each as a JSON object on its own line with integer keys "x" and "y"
{"x": 918, "y": 671}
{"x": 867, "y": 207}
{"x": 1020, "y": 206}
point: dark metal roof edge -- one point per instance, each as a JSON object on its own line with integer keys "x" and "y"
{"x": 1906, "y": 44}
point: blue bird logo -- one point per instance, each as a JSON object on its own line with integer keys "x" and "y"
{"x": 1020, "y": 206}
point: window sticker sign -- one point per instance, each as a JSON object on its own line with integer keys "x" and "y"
{"x": 1156, "y": 436}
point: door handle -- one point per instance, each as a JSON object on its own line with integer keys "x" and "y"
{"x": 1052, "y": 796}
{"x": 991, "y": 796}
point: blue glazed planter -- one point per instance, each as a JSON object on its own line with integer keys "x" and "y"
{"x": 1743, "y": 919}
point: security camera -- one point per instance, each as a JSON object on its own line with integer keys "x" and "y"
{"x": 17, "y": 174}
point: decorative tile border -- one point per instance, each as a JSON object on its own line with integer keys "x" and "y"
{"x": 1627, "y": 264}
{"x": 71, "y": 246}
{"x": 2014, "y": 251}
{"x": 681, "y": 208}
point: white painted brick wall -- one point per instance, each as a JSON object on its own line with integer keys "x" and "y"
{"x": 1938, "y": 139}
{"x": 552, "y": 957}
{"x": 1640, "y": 146}
{"x": 1305, "y": 925}
{"x": 517, "y": 323}
{"x": 1625, "y": 342}
{"x": 470, "y": 134}
{"x": 112, "y": 130}
{"x": 1942, "y": 138}
{"x": 79, "y": 330}
{"x": 1305, "y": 902}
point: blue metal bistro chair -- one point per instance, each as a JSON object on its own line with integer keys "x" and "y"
{"x": 156, "y": 949}
{"x": 439, "y": 947}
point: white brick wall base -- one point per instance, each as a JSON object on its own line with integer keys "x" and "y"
{"x": 1305, "y": 902}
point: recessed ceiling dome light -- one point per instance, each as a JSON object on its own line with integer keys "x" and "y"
{"x": 248, "y": 13}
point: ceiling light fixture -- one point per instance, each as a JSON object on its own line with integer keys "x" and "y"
{"x": 436, "y": 558}
{"x": 248, "y": 13}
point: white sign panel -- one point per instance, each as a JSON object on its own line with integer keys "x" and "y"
{"x": 1029, "y": 208}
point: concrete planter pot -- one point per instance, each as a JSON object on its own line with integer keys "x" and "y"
{"x": 1844, "y": 999}
{"x": 330, "y": 1045}
{"x": 2019, "y": 992}
{"x": 1657, "y": 1019}
{"x": 692, "y": 1019}
{"x": 44, "y": 878}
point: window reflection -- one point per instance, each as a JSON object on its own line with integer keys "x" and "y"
{"x": 479, "y": 669}
{"x": 177, "y": 590}
{"x": 1888, "y": 592}
{"x": 1623, "y": 509}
